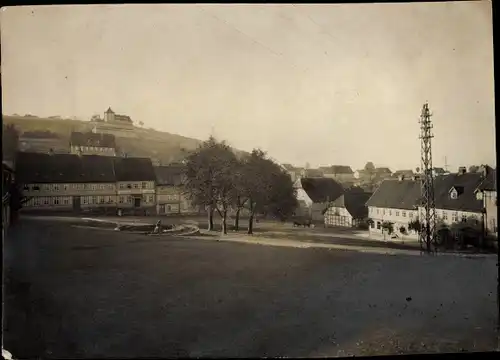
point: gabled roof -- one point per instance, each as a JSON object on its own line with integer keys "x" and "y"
{"x": 355, "y": 202}
{"x": 63, "y": 168}
{"x": 109, "y": 110}
{"x": 404, "y": 194}
{"x": 322, "y": 189}
{"x": 490, "y": 182}
{"x": 91, "y": 139}
{"x": 403, "y": 172}
{"x": 383, "y": 170}
{"x": 170, "y": 174}
{"x": 337, "y": 169}
{"x": 134, "y": 169}
{"x": 465, "y": 184}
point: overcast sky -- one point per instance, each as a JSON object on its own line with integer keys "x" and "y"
{"x": 324, "y": 84}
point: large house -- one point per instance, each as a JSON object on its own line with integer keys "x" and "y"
{"x": 315, "y": 195}
{"x": 487, "y": 193}
{"x": 349, "y": 209}
{"x": 135, "y": 181}
{"x": 66, "y": 181}
{"x": 395, "y": 202}
{"x": 92, "y": 144}
{"x": 69, "y": 182}
{"x": 170, "y": 198}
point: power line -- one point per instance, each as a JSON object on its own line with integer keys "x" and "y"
{"x": 249, "y": 37}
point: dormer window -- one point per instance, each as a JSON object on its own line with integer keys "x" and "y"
{"x": 479, "y": 195}
{"x": 453, "y": 194}
{"x": 455, "y": 191}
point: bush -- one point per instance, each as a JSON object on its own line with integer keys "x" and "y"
{"x": 402, "y": 230}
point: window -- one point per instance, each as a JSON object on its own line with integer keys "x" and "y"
{"x": 445, "y": 215}
{"x": 101, "y": 186}
{"x": 56, "y": 200}
{"x": 129, "y": 186}
{"x": 383, "y": 211}
{"x": 464, "y": 217}
{"x": 36, "y": 187}
{"x": 45, "y": 200}
{"x": 85, "y": 199}
{"x": 37, "y": 201}
{"x": 57, "y": 187}
{"x": 397, "y": 213}
{"x": 129, "y": 199}
{"x": 453, "y": 194}
{"x": 454, "y": 217}
{"x": 74, "y": 186}
{"x": 122, "y": 199}
{"x": 136, "y": 185}
{"x": 377, "y": 211}
{"x": 150, "y": 198}
{"x": 479, "y": 195}
{"x": 65, "y": 187}
{"x": 46, "y": 187}
{"x": 94, "y": 199}
{"x": 404, "y": 214}
{"x": 122, "y": 186}
{"x": 26, "y": 187}
{"x": 94, "y": 186}
{"x": 144, "y": 185}
{"x": 390, "y": 212}
{"x": 101, "y": 199}
{"x": 378, "y": 225}
{"x": 66, "y": 201}
{"x": 410, "y": 214}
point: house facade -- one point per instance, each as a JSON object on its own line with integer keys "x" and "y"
{"x": 170, "y": 198}
{"x": 66, "y": 182}
{"x": 340, "y": 173}
{"x": 92, "y": 144}
{"x": 395, "y": 202}
{"x": 315, "y": 195}
{"x": 135, "y": 185}
{"x": 487, "y": 193}
{"x": 349, "y": 209}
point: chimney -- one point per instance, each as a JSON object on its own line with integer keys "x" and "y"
{"x": 462, "y": 170}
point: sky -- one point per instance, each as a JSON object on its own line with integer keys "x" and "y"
{"x": 330, "y": 84}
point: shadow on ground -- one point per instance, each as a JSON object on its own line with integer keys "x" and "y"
{"x": 74, "y": 293}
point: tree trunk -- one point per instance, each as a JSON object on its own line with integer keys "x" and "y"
{"x": 210, "y": 218}
{"x": 250, "y": 224}
{"x": 224, "y": 222}
{"x": 237, "y": 220}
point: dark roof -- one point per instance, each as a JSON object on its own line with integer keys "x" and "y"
{"x": 338, "y": 169}
{"x": 63, "y": 168}
{"x": 91, "y": 139}
{"x": 490, "y": 182}
{"x": 169, "y": 174}
{"x": 109, "y": 110}
{"x": 134, "y": 169}
{"x": 125, "y": 118}
{"x": 322, "y": 189}
{"x": 355, "y": 202}
{"x": 403, "y": 194}
{"x": 403, "y": 172}
{"x": 466, "y": 184}
{"x": 383, "y": 170}
{"x": 313, "y": 173}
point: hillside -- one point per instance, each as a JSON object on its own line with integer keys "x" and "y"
{"x": 163, "y": 146}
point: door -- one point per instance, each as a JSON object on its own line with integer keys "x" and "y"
{"x": 137, "y": 202}
{"x": 76, "y": 203}
{"x": 162, "y": 209}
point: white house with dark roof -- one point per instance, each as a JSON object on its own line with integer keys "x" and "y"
{"x": 395, "y": 202}
{"x": 456, "y": 199}
{"x": 349, "y": 209}
{"x": 315, "y": 195}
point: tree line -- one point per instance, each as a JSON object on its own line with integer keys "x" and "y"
{"x": 219, "y": 181}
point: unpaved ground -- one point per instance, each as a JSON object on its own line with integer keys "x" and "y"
{"x": 91, "y": 293}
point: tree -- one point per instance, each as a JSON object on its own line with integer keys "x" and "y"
{"x": 267, "y": 187}
{"x": 239, "y": 195}
{"x": 473, "y": 168}
{"x": 389, "y": 226}
{"x": 209, "y": 179}
{"x": 415, "y": 225}
{"x": 369, "y": 167}
{"x": 10, "y": 141}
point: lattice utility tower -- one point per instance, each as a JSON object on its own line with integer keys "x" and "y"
{"x": 427, "y": 235}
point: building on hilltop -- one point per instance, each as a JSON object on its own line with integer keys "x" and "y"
{"x": 91, "y": 143}
{"x": 111, "y": 117}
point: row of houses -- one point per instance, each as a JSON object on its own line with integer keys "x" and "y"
{"x": 71, "y": 182}
{"x": 459, "y": 197}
